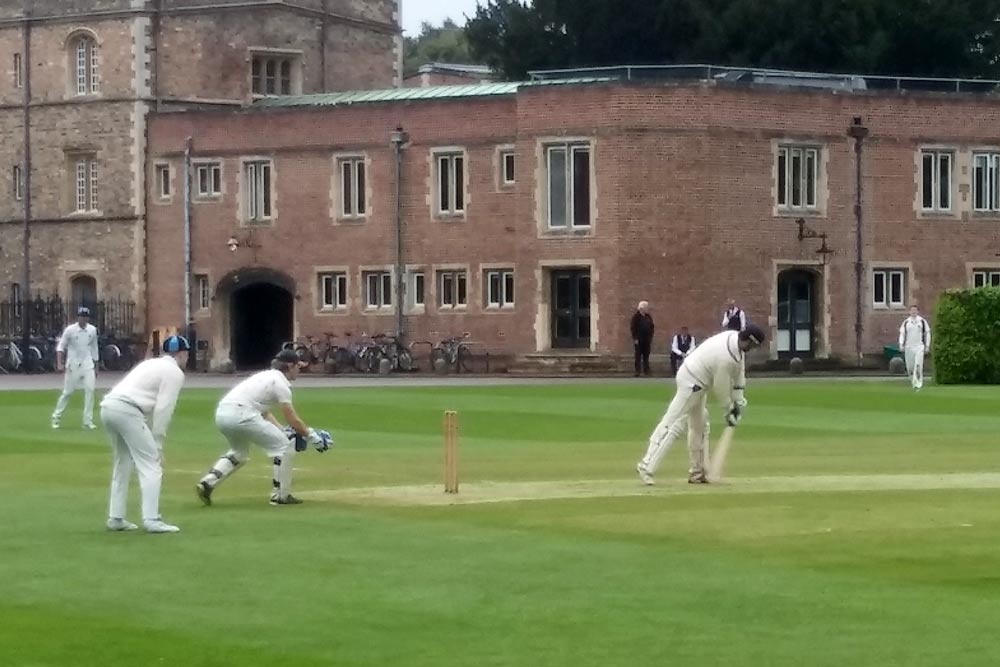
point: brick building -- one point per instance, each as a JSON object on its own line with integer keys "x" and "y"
{"x": 535, "y": 216}
{"x": 87, "y": 73}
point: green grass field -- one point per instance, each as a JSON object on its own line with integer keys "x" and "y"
{"x": 859, "y": 525}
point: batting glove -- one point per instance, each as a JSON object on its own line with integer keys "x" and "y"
{"x": 734, "y": 415}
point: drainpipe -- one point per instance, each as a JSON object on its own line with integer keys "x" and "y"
{"x": 858, "y": 132}
{"x": 187, "y": 232}
{"x": 26, "y": 175}
{"x": 398, "y": 138}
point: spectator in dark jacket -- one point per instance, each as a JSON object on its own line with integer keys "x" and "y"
{"x": 642, "y": 337}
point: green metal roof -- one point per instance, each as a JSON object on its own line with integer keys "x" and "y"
{"x": 409, "y": 94}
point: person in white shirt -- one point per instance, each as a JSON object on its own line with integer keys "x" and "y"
{"x": 719, "y": 362}
{"x": 244, "y": 416}
{"x": 681, "y": 346}
{"x": 914, "y": 341}
{"x": 136, "y": 414}
{"x": 733, "y": 319}
{"x": 76, "y": 353}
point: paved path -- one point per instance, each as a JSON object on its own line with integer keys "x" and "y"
{"x": 53, "y": 381}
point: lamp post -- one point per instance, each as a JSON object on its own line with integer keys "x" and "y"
{"x": 398, "y": 138}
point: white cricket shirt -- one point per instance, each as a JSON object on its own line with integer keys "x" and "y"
{"x": 79, "y": 344}
{"x": 153, "y": 387}
{"x": 716, "y": 358}
{"x": 914, "y": 332}
{"x": 260, "y": 391}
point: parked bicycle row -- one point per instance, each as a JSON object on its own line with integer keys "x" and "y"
{"x": 366, "y": 353}
{"x": 39, "y": 356}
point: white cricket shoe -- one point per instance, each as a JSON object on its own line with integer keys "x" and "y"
{"x": 55, "y": 425}
{"x": 644, "y": 474}
{"x": 90, "y": 427}
{"x": 121, "y": 524}
{"x": 159, "y": 526}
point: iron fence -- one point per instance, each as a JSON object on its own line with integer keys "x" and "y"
{"x": 48, "y": 316}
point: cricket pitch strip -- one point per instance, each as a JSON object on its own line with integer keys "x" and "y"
{"x": 473, "y": 493}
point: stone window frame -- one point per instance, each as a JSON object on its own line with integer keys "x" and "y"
{"x": 296, "y": 60}
{"x": 992, "y": 207}
{"x": 202, "y": 163}
{"x": 457, "y": 271}
{"x": 17, "y": 70}
{"x": 936, "y": 153}
{"x": 84, "y": 171}
{"x": 543, "y": 148}
{"x": 888, "y": 270}
{"x": 505, "y": 270}
{"x": 17, "y": 182}
{"x": 450, "y": 153}
{"x": 360, "y": 192}
{"x": 202, "y": 292}
{"x": 335, "y": 274}
{"x": 502, "y": 153}
{"x": 158, "y": 182}
{"x": 382, "y": 308}
{"x": 783, "y": 148}
{"x": 245, "y": 192}
{"x": 83, "y": 78}
{"x": 413, "y": 271}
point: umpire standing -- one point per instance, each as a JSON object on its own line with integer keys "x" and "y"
{"x": 642, "y": 337}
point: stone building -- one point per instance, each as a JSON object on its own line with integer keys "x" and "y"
{"x": 86, "y": 74}
{"x": 536, "y": 215}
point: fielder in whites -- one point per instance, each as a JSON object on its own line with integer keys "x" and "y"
{"x": 719, "y": 363}
{"x": 147, "y": 394}
{"x": 244, "y": 416}
{"x": 914, "y": 341}
{"x": 76, "y": 353}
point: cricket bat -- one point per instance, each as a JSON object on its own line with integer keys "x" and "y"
{"x": 719, "y": 458}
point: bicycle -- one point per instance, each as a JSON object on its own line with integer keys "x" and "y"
{"x": 11, "y": 357}
{"x": 452, "y": 352}
{"x": 398, "y": 354}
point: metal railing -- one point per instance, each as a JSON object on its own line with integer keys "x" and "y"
{"x": 763, "y": 75}
{"x": 48, "y": 316}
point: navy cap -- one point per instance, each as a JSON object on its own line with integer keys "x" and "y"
{"x": 753, "y": 333}
{"x": 176, "y": 344}
{"x": 287, "y": 356}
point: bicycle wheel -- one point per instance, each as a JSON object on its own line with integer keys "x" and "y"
{"x": 111, "y": 356}
{"x": 404, "y": 360}
{"x": 341, "y": 359}
{"x": 463, "y": 360}
{"x": 439, "y": 360}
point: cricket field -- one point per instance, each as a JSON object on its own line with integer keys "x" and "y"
{"x": 858, "y": 524}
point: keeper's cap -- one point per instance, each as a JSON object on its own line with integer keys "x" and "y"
{"x": 754, "y": 334}
{"x": 83, "y": 311}
{"x": 176, "y": 344}
{"x": 287, "y": 356}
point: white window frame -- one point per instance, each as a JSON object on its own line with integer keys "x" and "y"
{"x": 989, "y": 162}
{"x": 787, "y": 185}
{"x": 454, "y": 161}
{"x": 17, "y": 181}
{"x": 212, "y": 173}
{"x": 85, "y": 184}
{"x": 333, "y": 283}
{"x": 352, "y": 173}
{"x": 18, "y": 71}
{"x": 938, "y": 161}
{"x": 985, "y": 277}
{"x": 508, "y": 154}
{"x": 453, "y": 289}
{"x": 86, "y": 65}
{"x": 202, "y": 291}
{"x": 413, "y": 278}
{"x": 163, "y": 184}
{"x": 258, "y": 191}
{"x": 378, "y": 287}
{"x": 15, "y": 298}
{"x": 570, "y": 151}
{"x": 887, "y": 277}
{"x": 503, "y": 295}
{"x": 263, "y": 85}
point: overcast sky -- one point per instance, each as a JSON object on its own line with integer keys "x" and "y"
{"x": 434, "y": 11}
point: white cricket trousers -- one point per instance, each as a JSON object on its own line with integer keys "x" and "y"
{"x": 242, "y": 425}
{"x": 75, "y": 379}
{"x": 687, "y": 410}
{"x": 132, "y": 445}
{"x": 914, "y": 355}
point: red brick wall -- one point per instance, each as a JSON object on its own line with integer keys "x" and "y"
{"x": 684, "y": 203}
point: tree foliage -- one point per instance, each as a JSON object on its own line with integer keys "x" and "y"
{"x": 895, "y": 37}
{"x": 446, "y": 43}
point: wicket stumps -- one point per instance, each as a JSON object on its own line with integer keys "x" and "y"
{"x": 450, "y": 451}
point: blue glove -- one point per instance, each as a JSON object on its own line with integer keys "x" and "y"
{"x": 321, "y": 440}
{"x": 300, "y": 442}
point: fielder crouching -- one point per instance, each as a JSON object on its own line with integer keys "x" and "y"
{"x": 719, "y": 362}
{"x": 243, "y": 416}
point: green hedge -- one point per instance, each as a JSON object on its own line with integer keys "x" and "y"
{"x": 966, "y": 340}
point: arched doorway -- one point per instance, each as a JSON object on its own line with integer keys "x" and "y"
{"x": 261, "y": 321}
{"x": 797, "y": 313}
{"x": 83, "y": 292}
{"x": 254, "y": 314}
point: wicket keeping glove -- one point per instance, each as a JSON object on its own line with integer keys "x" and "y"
{"x": 300, "y": 442}
{"x": 321, "y": 440}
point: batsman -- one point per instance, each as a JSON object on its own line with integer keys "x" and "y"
{"x": 720, "y": 364}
